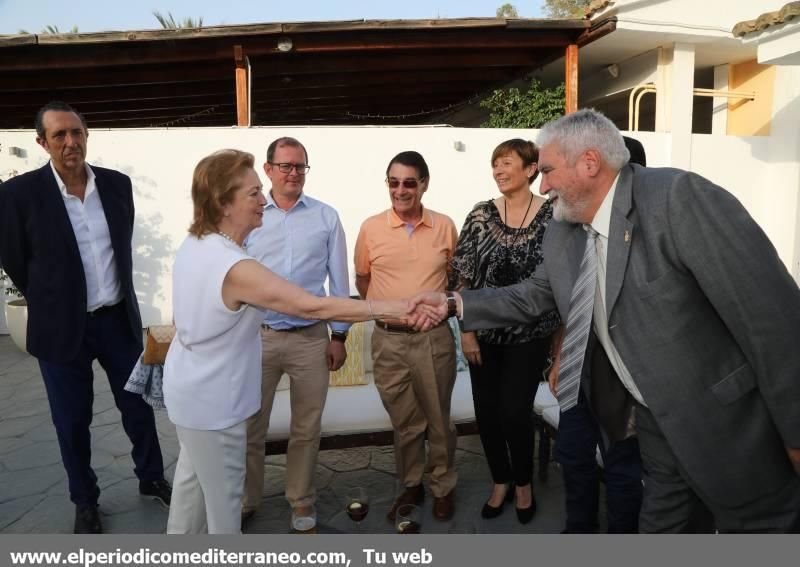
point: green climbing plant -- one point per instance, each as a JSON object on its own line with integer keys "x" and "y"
{"x": 530, "y": 108}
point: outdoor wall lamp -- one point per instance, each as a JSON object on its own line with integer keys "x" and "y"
{"x": 285, "y": 44}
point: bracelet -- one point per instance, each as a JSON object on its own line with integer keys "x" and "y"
{"x": 369, "y": 306}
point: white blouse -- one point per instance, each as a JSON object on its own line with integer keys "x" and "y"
{"x": 212, "y": 375}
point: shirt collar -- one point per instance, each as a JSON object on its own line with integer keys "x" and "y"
{"x": 271, "y": 201}
{"x": 395, "y": 221}
{"x": 90, "y": 185}
{"x": 601, "y": 222}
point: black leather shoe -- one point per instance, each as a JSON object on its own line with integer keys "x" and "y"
{"x": 159, "y": 489}
{"x": 87, "y": 521}
{"x": 525, "y": 515}
{"x": 488, "y": 511}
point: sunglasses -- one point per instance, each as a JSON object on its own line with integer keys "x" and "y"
{"x": 408, "y": 182}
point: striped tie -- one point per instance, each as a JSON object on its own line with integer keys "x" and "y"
{"x": 579, "y": 320}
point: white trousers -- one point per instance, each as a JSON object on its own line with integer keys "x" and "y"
{"x": 209, "y": 481}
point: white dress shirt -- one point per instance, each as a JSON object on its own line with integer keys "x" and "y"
{"x": 94, "y": 243}
{"x": 602, "y": 224}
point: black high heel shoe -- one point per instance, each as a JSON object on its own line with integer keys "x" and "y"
{"x": 488, "y": 512}
{"x": 525, "y": 515}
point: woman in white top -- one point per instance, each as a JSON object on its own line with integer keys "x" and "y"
{"x": 212, "y": 375}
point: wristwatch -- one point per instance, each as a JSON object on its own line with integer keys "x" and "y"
{"x": 452, "y": 305}
{"x": 340, "y": 336}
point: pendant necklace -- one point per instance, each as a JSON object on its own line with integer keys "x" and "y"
{"x": 505, "y": 213}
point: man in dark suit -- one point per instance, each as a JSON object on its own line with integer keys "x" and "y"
{"x": 65, "y": 241}
{"x": 694, "y": 317}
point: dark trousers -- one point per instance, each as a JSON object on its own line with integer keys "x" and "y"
{"x": 576, "y": 446}
{"x": 70, "y": 393}
{"x": 503, "y": 389}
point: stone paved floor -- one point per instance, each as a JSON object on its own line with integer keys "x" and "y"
{"x": 33, "y": 489}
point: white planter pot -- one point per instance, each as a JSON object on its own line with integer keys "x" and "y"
{"x": 3, "y": 326}
{"x": 16, "y": 312}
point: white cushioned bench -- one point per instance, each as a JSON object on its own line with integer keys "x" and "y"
{"x": 354, "y": 408}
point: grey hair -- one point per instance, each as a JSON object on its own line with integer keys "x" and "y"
{"x": 586, "y": 129}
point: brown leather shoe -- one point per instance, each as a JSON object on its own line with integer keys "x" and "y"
{"x": 444, "y": 507}
{"x": 411, "y": 495}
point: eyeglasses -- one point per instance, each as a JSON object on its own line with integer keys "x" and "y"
{"x": 408, "y": 182}
{"x": 300, "y": 168}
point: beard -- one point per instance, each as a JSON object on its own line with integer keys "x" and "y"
{"x": 570, "y": 211}
{"x": 567, "y": 212}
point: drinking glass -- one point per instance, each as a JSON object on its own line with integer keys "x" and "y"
{"x": 409, "y": 519}
{"x": 357, "y": 504}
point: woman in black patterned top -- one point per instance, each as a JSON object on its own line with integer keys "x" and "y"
{"x": 500, "y": 245}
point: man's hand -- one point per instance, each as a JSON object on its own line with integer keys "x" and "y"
{"x": 794, "y": 456}
{"x": 336, "y": 355}
{"x": 552, "y": 375}
{"x": 470, "y": 348}
{"x": 430, "y": 309}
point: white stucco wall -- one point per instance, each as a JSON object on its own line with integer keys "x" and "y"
{"x": 348, "y": 168}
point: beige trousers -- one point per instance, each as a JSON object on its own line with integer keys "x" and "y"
{"x": 302, "y": 355}
{"x": 415, "y": 374}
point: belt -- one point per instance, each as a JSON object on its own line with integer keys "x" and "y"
{"x": 395, "y": 328}
{"x": 104, "y": 309}
{"x": 287, "y": 330}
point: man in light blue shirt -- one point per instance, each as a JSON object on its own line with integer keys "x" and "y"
{"x": 303, "y": 241}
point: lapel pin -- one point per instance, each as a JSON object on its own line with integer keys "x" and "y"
{"x": 627, "y": 236}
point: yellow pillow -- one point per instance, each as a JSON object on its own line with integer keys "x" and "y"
{"x": 352, "y": 372}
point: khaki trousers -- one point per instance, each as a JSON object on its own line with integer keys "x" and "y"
{"x": 415, "y": 374}
{"x": 302, "y": 355}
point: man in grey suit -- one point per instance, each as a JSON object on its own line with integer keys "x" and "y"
{"x": 697, "y": 318}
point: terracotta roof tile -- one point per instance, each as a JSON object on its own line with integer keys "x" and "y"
{"x": 596, "y": 6}
{"x": 785, "y": 14}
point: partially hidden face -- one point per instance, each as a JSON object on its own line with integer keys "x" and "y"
{"x": 564, "y": 185}
{"x": 406, "y": 197}
{"x": 510, "y": 173}
{"x": 64, "y": 139}
{"x": 246, "y": 210}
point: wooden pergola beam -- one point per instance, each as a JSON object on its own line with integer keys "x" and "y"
{"x": 390, "y": 77}
{"x": 571, "y": 78}
{"x": 368, "y": 63}
{"x": 242, "y": 87}
{"x": 76, "y": 56}
{"x": 23, "y": 81}
{"x": 117, "y": 94}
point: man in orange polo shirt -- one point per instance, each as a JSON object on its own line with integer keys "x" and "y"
{"x": 400, "y": 251}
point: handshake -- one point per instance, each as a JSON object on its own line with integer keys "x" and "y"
{"x": 426, "y": 310}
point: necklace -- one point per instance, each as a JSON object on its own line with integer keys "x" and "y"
{"x": 229, "y": 239}
{"x": 505, "y": 214}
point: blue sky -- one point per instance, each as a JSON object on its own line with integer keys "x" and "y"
{"x": 104, "y": 15}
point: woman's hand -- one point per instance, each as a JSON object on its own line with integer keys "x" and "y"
{"x": 471, "y": 348}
